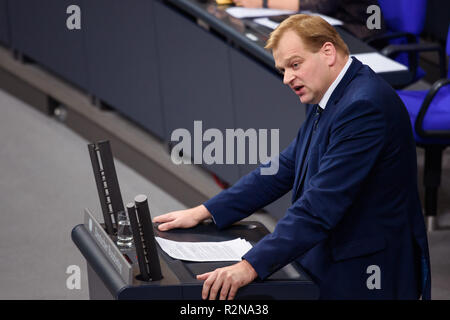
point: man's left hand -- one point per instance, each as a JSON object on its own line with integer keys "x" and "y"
{"x": 227, "y": 280}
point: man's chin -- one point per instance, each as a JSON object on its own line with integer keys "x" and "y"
{"x": 304, "y": 100}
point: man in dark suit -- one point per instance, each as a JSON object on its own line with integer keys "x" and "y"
{"x": 355, "y": 224}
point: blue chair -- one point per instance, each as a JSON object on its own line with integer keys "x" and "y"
{"x": 405, "y": 20}
{"x": 430, "y": 115}
{"x": 406, "y": 16}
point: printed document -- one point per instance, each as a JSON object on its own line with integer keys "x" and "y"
{"x": 240, "y": 13}
{"x": 231, "y": 250}
{"x": 379, "y": 63}
{"x": 273, "y": 25}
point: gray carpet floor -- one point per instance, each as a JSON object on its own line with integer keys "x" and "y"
{"x": 45, "y": 182}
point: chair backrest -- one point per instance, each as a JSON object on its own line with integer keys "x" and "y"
{"x": 404, "y": 15}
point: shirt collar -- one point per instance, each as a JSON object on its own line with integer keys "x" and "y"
{"x": 323, "y": 102}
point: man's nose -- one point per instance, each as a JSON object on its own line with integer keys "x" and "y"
{"x": 288, "y": 77}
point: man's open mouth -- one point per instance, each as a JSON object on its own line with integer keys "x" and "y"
{"x": 297, "y": 89}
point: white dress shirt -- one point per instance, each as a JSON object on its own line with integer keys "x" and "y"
{"x": 323, "y": 102}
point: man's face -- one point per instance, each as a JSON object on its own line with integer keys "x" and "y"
{"x": 305, "y": 72}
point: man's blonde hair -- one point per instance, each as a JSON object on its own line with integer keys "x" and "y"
{"x": 313, "y": 30}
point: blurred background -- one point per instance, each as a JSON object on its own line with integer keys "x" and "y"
{"x": 75, "y": 72}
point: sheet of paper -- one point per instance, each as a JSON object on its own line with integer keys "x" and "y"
{"x": 231, "y": 250}
{"x": 330, "y": 20}
{"x": 240, "y": 13}
{"x": 267, "y": 23}
{"x": 272, "y": 24}
{"x": 379, "y": 63}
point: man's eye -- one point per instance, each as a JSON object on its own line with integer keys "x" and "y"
{"x": 295, "y": 65}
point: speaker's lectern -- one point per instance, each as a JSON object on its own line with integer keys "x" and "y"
{"x": 145, "y": 271}
{"x": 115, "y": 275}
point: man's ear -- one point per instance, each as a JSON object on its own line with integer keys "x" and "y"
{"x": 328, "y": 51}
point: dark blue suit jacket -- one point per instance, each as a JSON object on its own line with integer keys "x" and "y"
{"x": 358, "y": 205}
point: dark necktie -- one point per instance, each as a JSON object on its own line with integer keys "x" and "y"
{"x": 317, "y": 112}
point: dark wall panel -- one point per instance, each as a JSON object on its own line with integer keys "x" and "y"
{"x": 39, "y": 30}
{"x": 121, "y": 54}
{"x": 4, "y": 24}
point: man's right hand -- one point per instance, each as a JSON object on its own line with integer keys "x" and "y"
{"x": 182, "y": 218}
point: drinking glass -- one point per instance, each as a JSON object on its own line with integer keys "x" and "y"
{"x": 124, "y": 233}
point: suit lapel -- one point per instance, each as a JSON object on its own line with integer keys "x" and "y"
{"x": 340, "y": 89}
{"x": 335, "y": 96}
